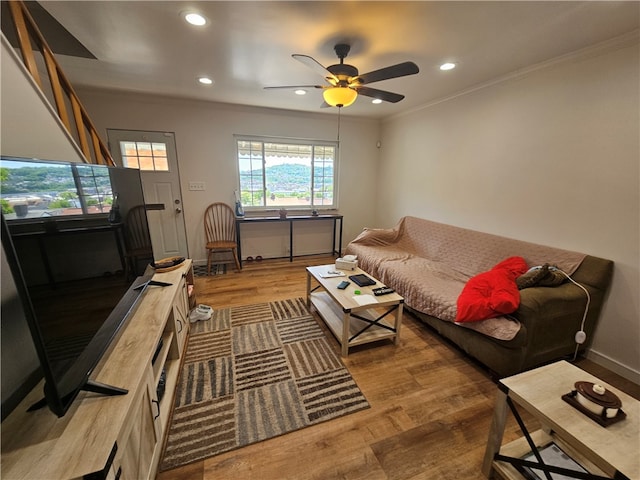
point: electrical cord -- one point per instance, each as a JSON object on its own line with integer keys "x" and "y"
{"x": 581, "y": 336}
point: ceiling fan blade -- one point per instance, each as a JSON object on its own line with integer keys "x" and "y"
{"x": 381, "y": 94}
{"x": 394, "y": 71}
{"x": 317, "y": 67}
{"x": 294, "y": 86}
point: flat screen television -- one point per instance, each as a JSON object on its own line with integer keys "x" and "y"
{"x": 64, "y": 239}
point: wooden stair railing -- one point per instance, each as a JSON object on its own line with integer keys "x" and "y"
{"x": 95, "y": 151}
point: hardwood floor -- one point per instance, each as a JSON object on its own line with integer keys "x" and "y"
{"x": 431, "y": 406}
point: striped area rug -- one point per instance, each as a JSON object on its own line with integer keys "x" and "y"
{"x": 252, "y": 373}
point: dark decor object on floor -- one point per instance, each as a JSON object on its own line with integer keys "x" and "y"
{"x": 201, "y": 270}
{"x": 255, "y": 372}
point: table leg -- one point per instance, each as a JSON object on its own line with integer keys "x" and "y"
{"x": 345, "y": 334}
{"x": 398, "y": 324}
{"x": 308, "y": 289}
{"x": 495, "y": 434}
{"x": 291, "y": 240}
{"x": 333, "y": 245}
{"x": 121, "y": 247}
{"x": 238, "y": 242}
{"x": 340, "y": 239}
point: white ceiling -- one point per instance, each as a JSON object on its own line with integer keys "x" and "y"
{"x": 145, "y": 46}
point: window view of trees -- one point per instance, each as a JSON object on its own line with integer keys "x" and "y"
{"x": 286, "y": 174}
{"x": 31, "y": 189}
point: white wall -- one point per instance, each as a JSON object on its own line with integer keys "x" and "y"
{"x": 206, "y": 152}
{"x": 29, "y": 126}
{"x": 550, "y": 157}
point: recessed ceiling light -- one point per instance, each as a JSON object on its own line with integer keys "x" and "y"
{"x": 205, "y": 80}
{"x": 376, "y": 101}
{"x": 300, "y": 92}
{"x": 447, "y": 66}
{"x": 195, "y": 19}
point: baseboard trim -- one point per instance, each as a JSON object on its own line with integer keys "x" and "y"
{"x": 615, "y": 366}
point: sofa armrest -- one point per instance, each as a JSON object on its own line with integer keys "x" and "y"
{"x": 594, "y": 271}
{"x": 377, "y": 236}
{"x": 553, "y": 315}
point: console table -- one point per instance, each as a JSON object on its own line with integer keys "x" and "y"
{"x": 292, "y": 219}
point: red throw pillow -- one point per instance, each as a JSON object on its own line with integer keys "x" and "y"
{"x": 493, "y": 293}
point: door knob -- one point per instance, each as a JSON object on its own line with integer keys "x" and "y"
{"x": 178, "y": 210}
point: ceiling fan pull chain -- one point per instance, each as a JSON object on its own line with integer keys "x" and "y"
{"x": 339, "y": 109}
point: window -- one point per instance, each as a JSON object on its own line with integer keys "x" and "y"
{"x": 286, "y": 174}
{"x": 32, "y": 189}
{"x": 144, "y": 155}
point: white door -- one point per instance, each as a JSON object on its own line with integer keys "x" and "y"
{"x": 154, "y": 153}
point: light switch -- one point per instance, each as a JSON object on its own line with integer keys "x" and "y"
{"x": 196, "y": 186}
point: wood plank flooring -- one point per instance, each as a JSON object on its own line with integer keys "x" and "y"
{"x": 431, "y": 406}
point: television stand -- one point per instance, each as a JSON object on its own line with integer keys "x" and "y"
{"x": 113, "y": 436}
{"x": 89, "y": 386}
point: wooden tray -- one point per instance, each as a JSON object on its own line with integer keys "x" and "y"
{"x": 172, "y": 267}
{"x": 570, "y": 398}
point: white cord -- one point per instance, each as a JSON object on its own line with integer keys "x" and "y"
{"x": 586, "y": 310}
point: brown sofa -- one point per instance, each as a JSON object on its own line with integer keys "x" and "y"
{"x": 429, "y": 263}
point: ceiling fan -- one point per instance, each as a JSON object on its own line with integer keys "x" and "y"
{"x": 344, "y": 83}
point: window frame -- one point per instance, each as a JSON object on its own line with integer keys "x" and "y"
{"x": 288, "y": 141}
{"x": 124, "y": 157}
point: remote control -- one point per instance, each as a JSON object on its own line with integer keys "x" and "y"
{"x": 342, "y": 285}
{"x": 382, "y": 291}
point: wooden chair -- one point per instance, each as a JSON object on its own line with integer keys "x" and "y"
{"x": 220, "y": 229}
{"x": 137, "y": 239}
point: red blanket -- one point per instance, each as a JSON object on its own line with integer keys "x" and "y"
{"x": 493, "y": 293}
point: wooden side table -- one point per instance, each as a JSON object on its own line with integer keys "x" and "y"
{"x": 605, "y": 452}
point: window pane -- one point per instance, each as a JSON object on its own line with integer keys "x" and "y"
{"x": 146, "y": 163}
{"x": 288, "y": 175}
{"x": 144, "y": 149}
{"x": 251, "y": 175}
{"x": 323, "y": 175}
{"x": 161, "y": 164}
{"x": 130, "y": 162}
{"x": 160, "y": 157}
{"x": 95, "y": 188}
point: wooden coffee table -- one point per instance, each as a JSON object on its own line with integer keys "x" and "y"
{"x": 609, "y": 452}
{"x": 353, "y": 318}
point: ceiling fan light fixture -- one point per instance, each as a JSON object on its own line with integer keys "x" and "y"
{"x": 340, "y": 96}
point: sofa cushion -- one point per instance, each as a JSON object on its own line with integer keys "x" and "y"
{"x": 492, "y": 293}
